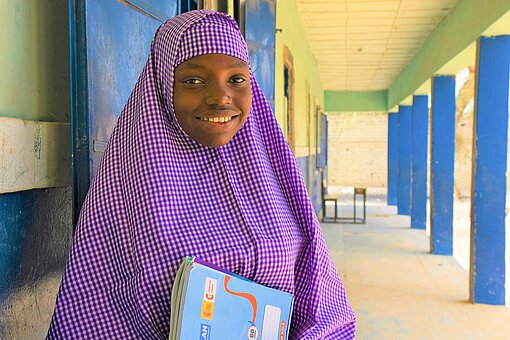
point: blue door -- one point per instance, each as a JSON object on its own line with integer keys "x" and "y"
{"x": 259, "y": 32}
{"x": 323, "y": 136}
{"x": 110, "y": 41}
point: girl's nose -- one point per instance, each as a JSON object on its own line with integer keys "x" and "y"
{"x": 219, "y": 95}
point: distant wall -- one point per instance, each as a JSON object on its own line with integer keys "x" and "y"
{"x": 358, "y": 149}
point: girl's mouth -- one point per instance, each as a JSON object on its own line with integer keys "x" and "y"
{"x": 217, "y": 119}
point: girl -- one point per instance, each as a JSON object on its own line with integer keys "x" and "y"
{"x": 197, "y": 165}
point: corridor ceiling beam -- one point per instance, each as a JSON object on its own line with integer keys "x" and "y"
{"x": 460, "y": 28}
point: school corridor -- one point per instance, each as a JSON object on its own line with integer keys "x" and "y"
{"x": 409, "y": 96}
{"x": 398, "y": 289}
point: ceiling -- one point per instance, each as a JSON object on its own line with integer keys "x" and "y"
{"x": 363, "y": 45}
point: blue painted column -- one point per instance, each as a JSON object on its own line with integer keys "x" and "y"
{"x": 419, "y": 151}
{"x": 442, "y": 165}
{"x": 490, "y": 139}
{"x": 392, "y": 157}
{"x": 404, "y": 160}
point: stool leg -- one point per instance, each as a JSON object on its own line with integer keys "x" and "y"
{"x": 364, "y": 209}
{"x": 336, "y": 209}
{"x": 354, "y": 205}
{"x": 323, "y": 210}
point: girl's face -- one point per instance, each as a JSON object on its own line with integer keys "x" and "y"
{"x": 212, "y": 97}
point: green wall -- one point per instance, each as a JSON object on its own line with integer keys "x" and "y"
{"x": 34, "y": 64}
{"x": 373, "y": 101}
{"x": 306, "y": 71}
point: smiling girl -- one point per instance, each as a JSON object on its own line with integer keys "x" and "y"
{"x": 197, "y": 165}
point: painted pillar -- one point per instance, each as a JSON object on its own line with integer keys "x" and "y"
{"x": 404, "y": 160}
{"x": 490, "y": 139}
{"x": 419, "y": 150}
{"x": 392, "y": 157}
{"x": 442, "y": 165}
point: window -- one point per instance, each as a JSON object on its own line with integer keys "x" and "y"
{"x": 288, "y": 76}
{"x": 233, "y": 7}
{"x": 189, "y": 5}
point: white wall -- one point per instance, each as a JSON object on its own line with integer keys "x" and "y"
{"x": 357, "y": 149}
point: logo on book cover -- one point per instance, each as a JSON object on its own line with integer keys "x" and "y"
{"x": 210, "y": 289}
{"x": 253, "y": 333}
{"x": 208, "y": 298}
{"x": 207, "y": 310}
{"x": 205, "y": 332}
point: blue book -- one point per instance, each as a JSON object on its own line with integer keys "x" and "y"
{"x": 209, "y": 303}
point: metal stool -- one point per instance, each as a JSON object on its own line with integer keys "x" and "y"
{"x": 362, "y": 192}
{"x": 331, "y": 198}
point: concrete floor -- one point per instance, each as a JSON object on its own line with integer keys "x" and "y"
{"x": 400, "y": 291}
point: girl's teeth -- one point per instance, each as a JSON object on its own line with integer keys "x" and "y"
{"x": 217, "y": 120}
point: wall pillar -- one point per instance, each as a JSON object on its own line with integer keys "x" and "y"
{"x": 442, "y": 165}
{"x": 490, "y": 139}
{"x": 419, "y": 151}
{"x": 404, "y": 160}
{"x": 392, "y": 157}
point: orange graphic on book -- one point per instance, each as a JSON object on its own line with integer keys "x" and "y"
{"x": 283, "y": 326}
{"x": 207, "y": 310}
{"x": 249, "y": 297}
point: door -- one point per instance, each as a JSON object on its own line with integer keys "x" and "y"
{"x": 110, "y": 42}
{"x": 322, "y": 154}
{"x": 260, "y": 28}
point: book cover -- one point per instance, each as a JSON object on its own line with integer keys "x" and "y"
{"x": 209, "y": 303}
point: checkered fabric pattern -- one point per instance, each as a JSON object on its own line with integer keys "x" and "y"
{"x": 158, "y": 196}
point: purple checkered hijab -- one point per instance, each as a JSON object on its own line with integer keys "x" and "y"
{"x": 158, "y": 196}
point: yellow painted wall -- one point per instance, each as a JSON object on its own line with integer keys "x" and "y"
{"x": 34, "y": 60}
{"x": 306, "y": 71}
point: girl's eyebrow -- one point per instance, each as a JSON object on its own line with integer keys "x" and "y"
{"x": 238, "y": 64}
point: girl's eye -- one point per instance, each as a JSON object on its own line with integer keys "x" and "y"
{"x": 238, "y": 79}
{"x": 193, "y": 81}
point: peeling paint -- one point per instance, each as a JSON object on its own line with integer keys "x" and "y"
{"x": 37, "y": 142}
{"x": 28, "y": 154}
